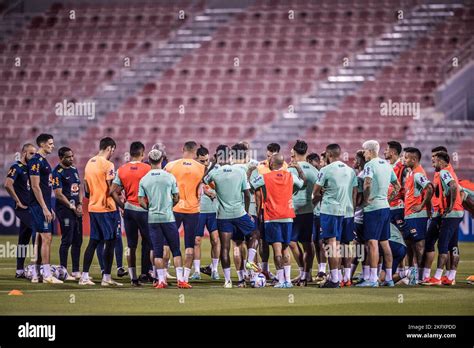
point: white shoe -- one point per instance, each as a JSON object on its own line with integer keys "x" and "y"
{"x": 76, "y": 275}
{"x": 70, "y": 278}
{"x": 110, "y": 283}
{"x": 35, "y": 280}
{"x": 228, "y": 284}
{"x": 404, "y": 281}
{"x": 87, "y": 281}
{"x": 52, "y": 280}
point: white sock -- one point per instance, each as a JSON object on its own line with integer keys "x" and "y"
{"x": 161, "y": 275}
{"x": 133, "y": 273}
{"x": 155, "y": 274}
{"x": 366, "y": 272}
{"x": 252, "y": 253}
{"x": 452, "y": 274}
{"x": 347, "y": 274}
{"x": 265, "y": 267}
{"x": 240, "y": 274}
{"x": 214, "y": 265}
{"x": 426, "y": 272}
{"x": 47, "y": 270}
{"x": 379, "y": 268}
{"x": 84, "y": 276}
{"x": 373, "y": 275}
{"x": 179, "y": 273}
{"x": 197, "y": 266}
{"x": 287, "y": 270}
{"x": 335, "y": 275}
{"x": 281, "y": 276}
{"x": 187, "y": 271}
{"x": 301, "y": 272}
{"x": 388, "y": 274}
{"x": 322, "y": 267}
{"x": 439, "y": 273}
{"x": 304, "y": 275}
{"x": 107, "y": 277}
{"x": 227, "y": 274}
{"x": 20, "y": 271}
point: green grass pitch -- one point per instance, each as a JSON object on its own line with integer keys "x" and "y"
{"x": 210, "y": 298}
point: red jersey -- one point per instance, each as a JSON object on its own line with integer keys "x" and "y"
{"x": 438, "y": 192}
{"x": 398, "y": 168}
{"x": 129, "y": 176}
{"x": 447, "y": 175}
{"x": 415, "y": 183}
{"x": 278, "y": 195}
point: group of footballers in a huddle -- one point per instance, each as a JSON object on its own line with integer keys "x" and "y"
{"x": 314, "y": 205}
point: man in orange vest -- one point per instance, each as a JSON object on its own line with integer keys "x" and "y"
{"x": 278, "y": 212}
{"x": 432, "y": 234}
{"x": 418, "y": 193}
{"x": 452, "y": 215}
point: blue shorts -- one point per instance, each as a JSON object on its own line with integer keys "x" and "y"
{"x": 432, "y": 234}
{"x": 105, "y": 226}
{"x": 359, "y": 231}
{"x": 190, "y": 223}
{"x": 316, "y": 228}
{"x": 38, "y": 221}
{"x": 161, "y": 233}
{"x": 377, "y": 224}
{"x": 208, "y": 221}
{"x": 239, "y": 227}
{"x": 415, "y": 229}
{"x": 348, "y": 234}
{"x": 331, "y": 226}
{"x": 448, "y": 234}
{"x": 302, "y": 228}
{"x": 398, "y": 252}
{"x": 278, "y": 232}
{"x": 397, "y": 217}
{"x": 133, "y": 221}
{"x": 239, "y": 236}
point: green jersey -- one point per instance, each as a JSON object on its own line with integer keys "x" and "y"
{"x": 208, "y": 205}
{"x": 382, "y": 175}
{"x": 338, "y": 181}
{"x": 229, "y": 182}
{"x": 302, "y": 198}
{"x": 245, "y": 167}
{"x": 395, "y": 235}
{"x": 158, "y": 186}
{"x": 469, "y": 193}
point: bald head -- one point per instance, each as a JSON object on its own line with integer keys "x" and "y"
{"x": 276, "y": 161}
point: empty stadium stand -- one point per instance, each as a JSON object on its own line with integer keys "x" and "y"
{"x": 270, "y": 71}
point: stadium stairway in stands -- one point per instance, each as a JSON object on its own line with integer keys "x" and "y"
{"x": 187, "y": 38}
{"x": 361, "y": 67}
